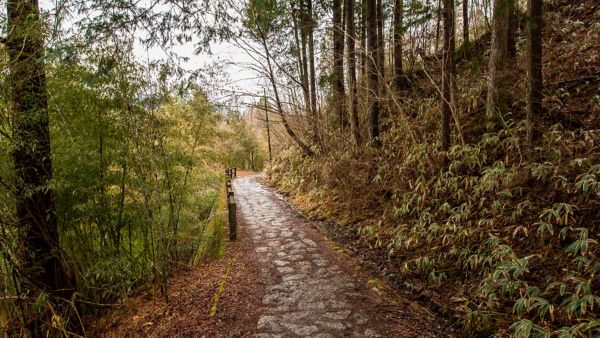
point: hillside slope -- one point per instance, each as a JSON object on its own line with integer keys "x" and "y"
{"x": 505, "y": 244}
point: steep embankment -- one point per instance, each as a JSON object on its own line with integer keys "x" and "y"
{"x": 504, "y": 244}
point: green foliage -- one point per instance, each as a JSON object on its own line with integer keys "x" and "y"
{"x": 210, "y": 244}
{"x": 241, "y": 147}
{"x": 136, "y": 175}
{"x": 264, "y": 16}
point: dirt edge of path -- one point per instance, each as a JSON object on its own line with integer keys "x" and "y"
{"x": 191, "y": 297}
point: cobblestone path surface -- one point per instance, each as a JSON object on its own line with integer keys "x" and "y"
{"x": 307, "y": 292}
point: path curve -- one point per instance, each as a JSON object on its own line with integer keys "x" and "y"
{"x": 309, "y": 290}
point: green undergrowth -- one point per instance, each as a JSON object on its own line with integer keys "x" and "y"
{"x": 210, "y": 244}
{"x": 514, "y": 243}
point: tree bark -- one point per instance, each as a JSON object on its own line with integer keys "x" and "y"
{"x": 512, "y": 28}
{"x": 313, "y": 81}
{"x": 300, "y": 39}
{"x": 373, "y": 70}
{"x": 465, "y": 12}
{"x": 380, "y": 43}
{"x": 437, "y": 27}
{"x": 268, "y": 129}
{"x": 338, "y": 63}
{"x": 448, "y": 71}
{"x": 496, "y": 95}
{"x": 351, "y": 43}
{"x": 534, "y": 66}
{"x": 363, "y": 37}
{"x": 399, "y": 78}
{"x": 42, "y": 267}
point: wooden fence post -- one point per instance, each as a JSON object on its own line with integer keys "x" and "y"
{"x": 232, "y": 220}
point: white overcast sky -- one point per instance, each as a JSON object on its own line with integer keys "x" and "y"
{"x": 241, "y": 78}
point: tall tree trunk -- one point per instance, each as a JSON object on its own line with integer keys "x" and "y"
{"x": 338, "y": 63}
{"x": 437, "y": 27}
{"x": 313, "y": 80}
{"x": 513, "y": 19}
{"x": 380, "y": 42}
{"x": 448, "y": 71}
{"x": 43, "y": 269}
{"x": 268, "y": 129}
{"x": 363, "y": 37}
{"x": 535, "y": 80}
{"x": 351, "y": 43}
{"x": 372, "y": 70}
{"x": 300, "y": 40}
{"x": 496, "y": 95}
{"x": 399, "y": 78}
{"x": 465, "y": 13}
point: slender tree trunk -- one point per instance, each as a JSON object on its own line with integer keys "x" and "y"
{"x": 268, "y": 128}
{"x": 363, "y": 37}
{"x": 448, "y": 71}
{"x": 351, "y": 43}
{"x": 380, "y": 42}
{"x": 535, "y": 80}
{"x": 512, "y": 28}
{"x": 372, "y": 70}
{"x": 399, "y": 78}
{"x": 465, "y": 13}
{"x": 496, "y": 95}
{"x": 313, "y": 81}
{"x": 438, "y": 26}
{"x": 42, "y": 268}
{"x": 300, "y": 40}
{"x": 338, "y": 63}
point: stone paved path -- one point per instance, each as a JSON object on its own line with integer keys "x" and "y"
{"x": 307, "y": 293}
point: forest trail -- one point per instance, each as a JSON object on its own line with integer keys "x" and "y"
{"x": 310, "y": 289}
{"x": 281, "y": 278}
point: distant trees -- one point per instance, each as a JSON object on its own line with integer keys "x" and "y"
{"x": 365, "y": 59}
{"x": 260, "y": 22}
{"x": 364, "y": 56}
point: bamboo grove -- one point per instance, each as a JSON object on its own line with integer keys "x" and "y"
{"x": 110, "y": 165}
